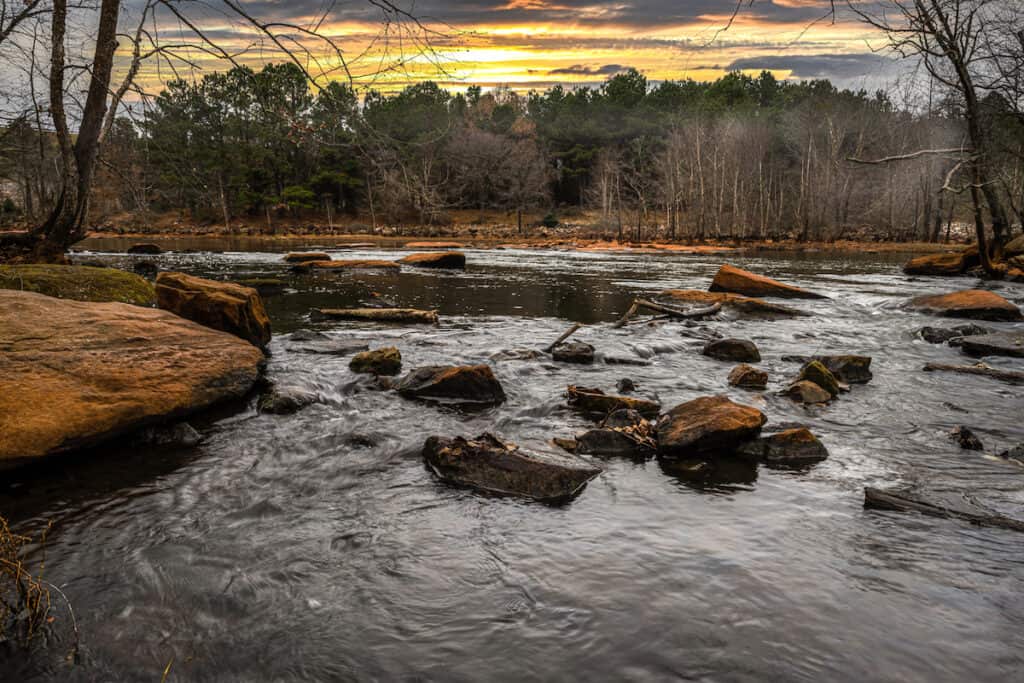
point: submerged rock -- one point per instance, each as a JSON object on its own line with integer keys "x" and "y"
{"x": 266, "y": 286}
{"x": 444, "y": 259}
{"x": 222, "y": 306}
{"x": 997, "y": 344}
{"x": 518, "y": 354}
{"x": 383, "y": 361}
{"x": 748, "y": 377}
{"x": 302, "y": 256}
{"x": 285, "y": 401}
{"x": 573, "y": 352}
{"x": 76, "y": 374}
{"x": 747, "y": 306}
{"x": 942, "y": 335}
{"x": 790, "y": 447}
{"x": 598, "y": 404}
{"x": 817, "y": 373}
{"x": 707, "y": 426}
{"x": 181, "y": 435}
{"x": 146, "y": 269}
{"x": 489, "y": 464}
{"x": 737, "y": 350}
{"x": 966, "y": 439}
{"x": 146, "y": 248}
{"x": 453, "y": 383}
{"x": 739, "y": 281}
{"x": 808, "y": 393}
{"x": 977, "y": 304}
{"x": 79, "y": 283}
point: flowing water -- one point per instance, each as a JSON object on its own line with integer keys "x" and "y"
{"x": 318, "y": 547}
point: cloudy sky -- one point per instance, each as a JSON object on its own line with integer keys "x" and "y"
{"x": 537, "y": 43}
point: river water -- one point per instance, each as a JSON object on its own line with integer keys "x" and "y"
{"x": 317, "y": 547}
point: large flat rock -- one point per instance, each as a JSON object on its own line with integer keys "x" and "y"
{"x": 739, "y": 281}
{"x": 80, "y": 283}
{"x": 975, "y": 304}
{"x": 74, "y": 374}
{"x": 996, "y": 344}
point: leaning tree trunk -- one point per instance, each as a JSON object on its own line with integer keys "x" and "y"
{"x": 65, "y": 224}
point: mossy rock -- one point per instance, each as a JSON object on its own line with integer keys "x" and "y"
{"x": 79, "y": 283}
{"x": 816, "y": 373}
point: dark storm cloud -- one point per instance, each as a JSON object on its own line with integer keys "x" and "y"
{"x": 817, "y": 66}
{"x": 581, "y": 70}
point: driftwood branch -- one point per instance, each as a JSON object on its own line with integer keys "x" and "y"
{"x": 667, "y": 310}
{"x": 1010, "y": 376}
{"x": 911, "y": 155}
{"x": 899, "y": 501}
{"x": 565, "y": 335}
{"x": 387, "y": 315}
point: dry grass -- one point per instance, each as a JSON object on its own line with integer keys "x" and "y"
{"x": 24, "y": 595}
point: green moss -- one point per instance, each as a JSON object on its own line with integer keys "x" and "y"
{"x": 80, "y": 283}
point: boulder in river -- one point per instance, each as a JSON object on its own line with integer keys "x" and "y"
{"x": 816, "y": 372}
{"x": 573, "y": 352}
{"x": 942, "y": 335}
{"x": 598, "y": 404}
{"x": 748, "y": 377}
{"x": 735, "y": 350}
{"x": 145, "y": 248}
{"x": 284, "y": 401}
{"x": 789, "y": 447}
{"x": 744, "y": 305}
{"x": 76, "y": 374}
{"x": 808, "y": 393}
{"x": 624, "y": 433}
{"x": 976, "y": 304}
{"x": 433, "y": 259}
{"x": 489, "y": 464}
{"x": 383, "y": 361}
{"x": 951, "y": 263}
{"x": 707, "y": 426}
{"x": 223, "y": 306}
{"x": 472, "y": 384}
{"x": 739, "y": 281}
{"x": 848, "y": 368}
{"x": 995, "y": 344}
{"x": 302, "y": 256}
{"x": 79, "y": 283}
{"x": 966, "y": 439}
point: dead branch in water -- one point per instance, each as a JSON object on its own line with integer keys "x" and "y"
{"x": 384, "y": 315}
{"x": 899, "y": 501}
{"x": 667, "y": 310}
{"x": 565, "y": 335}
{"x": 1009, "y": 376}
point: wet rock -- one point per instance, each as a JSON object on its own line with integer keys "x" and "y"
{"x": 266, "y": 286}
{"x": 598, "y": 404}
{"x": 808, "y": 393}
{"x": 966, "y": 439}
{"x": 146, "y": 269}
{"x": 817, "y": 373}
{"x": 707, "y": 426}
{"x": 848, "y": 368}
{"x": 748, "y": 377}
{"x": 625, "y": 386}
{"x": 77, "y": 373}
{"x": 952, "y": 263}
{"x": 976, "y": 304}
{"x": 150, "y": 249}
{"x": 617, "y": 443}
{"x": 1015, "y": 453}
{"x": 383, "y": 361}
{"x": 568, "y": 445}
{"x": 222, "y": 306}
{"x": 304, "y": 335}
{"x": 302, "y": 256}
{"x": 739, "y": 281}
{"x": 444, "y": 259}
{"x": 489, "y": 464}
{"x": 574, "y": 352}
{"x": 941, "y": 335}
{"x": 453, "y": 383}
{"x": 736, "y": 350}
{"x": 181, "y": 435}
{"x": 624, "y": 417}
{"x": 284, "y": 401}
{"x": 997, "y": 344}
{"x": 746, "y": 306}
{"x": 790, "y": 447}
{"x": 79, "y": 283}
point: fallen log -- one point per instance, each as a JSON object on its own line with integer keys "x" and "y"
{"x": 667, "y": 310}
{"x": 385, "y": 315}
{"x": 565, "y": 335}
{"x": 901, "y": 501}
{"x": 1009, "y": 376}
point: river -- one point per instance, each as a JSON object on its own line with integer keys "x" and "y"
{"x": 317, "y": 546}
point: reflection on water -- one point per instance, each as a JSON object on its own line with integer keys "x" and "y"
{"x": 318, "y": 547}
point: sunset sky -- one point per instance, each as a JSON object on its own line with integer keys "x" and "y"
{"x": 537, "y": 43}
